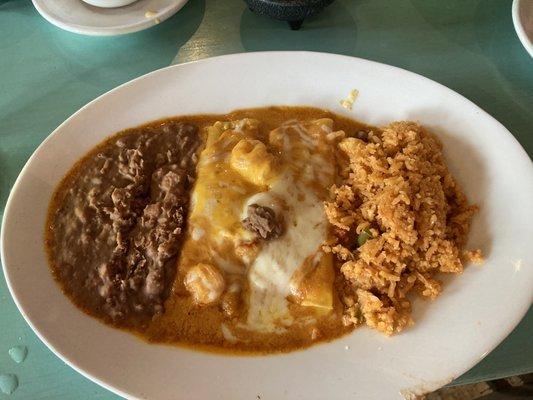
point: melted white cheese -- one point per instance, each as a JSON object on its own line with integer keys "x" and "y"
{"x": 197, "y": 233}
{"x": 306, "y": 228}
{"x": 228, "y": 335}
{"x": 271, "y": 272}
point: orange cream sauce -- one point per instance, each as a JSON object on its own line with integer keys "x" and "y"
{"x": 275, "y": 156}
{"x": 290, "y": 152}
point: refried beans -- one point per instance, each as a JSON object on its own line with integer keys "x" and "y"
{"x": 120, "y": 219}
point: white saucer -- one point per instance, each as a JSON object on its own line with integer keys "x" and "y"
{"x": 79, "y": 17}
{"x": 523, "y": 22}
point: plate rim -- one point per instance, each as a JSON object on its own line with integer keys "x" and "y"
{"x": 473, "y": 360}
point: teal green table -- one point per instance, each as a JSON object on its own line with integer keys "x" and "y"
{"x": 46, "y": 74}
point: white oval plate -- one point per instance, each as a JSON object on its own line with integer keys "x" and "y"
{"x": 475, "y": 312}
{"x": 79, "y": 17}
{"x": 522, "y": 12}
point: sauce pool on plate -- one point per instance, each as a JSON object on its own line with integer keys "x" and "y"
{"x": 206, "y": 230}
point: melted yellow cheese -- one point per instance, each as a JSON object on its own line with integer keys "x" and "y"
{"x": 313, "y": 285}
{"x": 218, "y": 197}
{"x": 288, "y": 170}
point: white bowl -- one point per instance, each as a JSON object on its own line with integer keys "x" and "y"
{"x": 522, "y": 12}
{"x": 109, "y": 3}
{"x": 476, "y": 311}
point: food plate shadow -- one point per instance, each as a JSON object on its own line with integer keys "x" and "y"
{"x": 3, "y": 182}
{"x": 19, "y": 13}
{"x": 512, "y": 109}
{"x": 475, "y": 32}
{"x": 108, "y": 59}
{"x": 333, "y": 31}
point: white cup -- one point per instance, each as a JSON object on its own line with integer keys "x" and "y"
{"x": 109, "y": 3}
